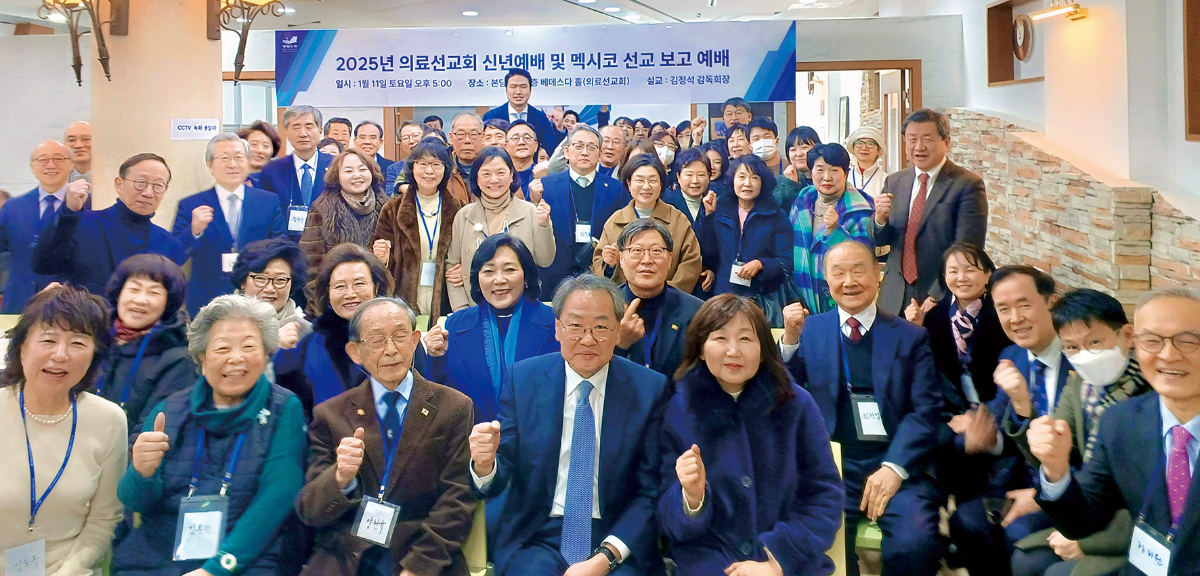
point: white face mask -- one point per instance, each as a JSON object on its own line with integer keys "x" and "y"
{"x": 666, "y": 155}
{"x": 764, "y": 148}
{"x": 1100, "y": 368}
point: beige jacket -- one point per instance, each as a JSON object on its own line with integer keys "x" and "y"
{"x": 686, "y": 263}
{"x": 468, "y": 234}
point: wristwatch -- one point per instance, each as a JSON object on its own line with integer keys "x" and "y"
{"x": 612, "y": 558}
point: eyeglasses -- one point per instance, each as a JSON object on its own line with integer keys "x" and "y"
{"x": 464, "y": 135}
{"x": 1184, "y": 342}
{"x": 280, "y": 282}
{"x": 44, "y": 161}
{"x": 414, "y": 138}
{"x": 358, "y": 286}
{"x": 864, "y": 144}
{"x": 522, "y": 138}
{"x": 612, "y": 141}
{"x": 576, "y": 332}
{"x": 159, "y": 188}
{"x": 656, "y": 253}
{"x": 427, "y": 165}
{"x": 1093, "y": 346}
{"x": 379, "y": 342}
{"x": 583, "y": 147}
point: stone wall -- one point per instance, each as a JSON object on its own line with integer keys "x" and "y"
{"x": 1045, "y": 212}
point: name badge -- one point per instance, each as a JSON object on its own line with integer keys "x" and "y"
{"x": 375, "y": 522}
{"x": 968, "y": 386}
{"x": 297, "y": 218}
{"x": 583, "y": 232}
{"x": 1149, "y": 551}
{"x": 200, "y": 528}
{"x": 868, "y": 421}
{"x": 733, "y": 274}
{"x": 228, "y": 259}
{"x": 26, "y": 560}
{"x": 428, "y": 273}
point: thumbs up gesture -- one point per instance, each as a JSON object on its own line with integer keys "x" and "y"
{"x": 349, "y": 458}
{"x": 149, "y": 448}
{"x": 484, "y": 441}
{"x": 1050, "y": 442}
{"x": 543, "y": 213}
{"x": 633, "y": 328}
{"x": 690, "y": 469}
{"x": 914, "y": 313}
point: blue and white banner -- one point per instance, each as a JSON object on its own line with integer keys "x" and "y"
{"x": 621, "y": 64}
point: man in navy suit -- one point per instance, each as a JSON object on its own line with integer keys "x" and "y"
{"x": 24, "y": 218}
{"x": 571, "y": 447}
{"x": 215, "y": 224}
{"x": 1031, "y": 374}
{"x": 518, "y": 85}
{"x": 581, "y": 202}
{"x": 84, "y": 248}
{"x": 873, "y": 376}
{"x": 299, "y": 177}
{"x": 1144, "y": 459}
{"x": 368, "y": 137}
{"x": 654, "y": 325}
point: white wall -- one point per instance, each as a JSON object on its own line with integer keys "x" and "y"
{"x": 1183, "y": 157}
{"x": 39, "y": 98}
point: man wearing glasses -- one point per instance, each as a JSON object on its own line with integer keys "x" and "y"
{"x": 216, "y": 224}
{"x": 408, "y": 134}
{"x": 24, "y": 219}
{"x": 581, "y": 202}
{"x": 466, "y": 141}
{"x": 84, "y": 248}
{"x": 522, "y": 145}
{"x": 1145, "y": 456}
{"x": 518, "y": 86}
{"x": 570, "y": 446}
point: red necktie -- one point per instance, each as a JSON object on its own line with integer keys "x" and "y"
{"x": 855, "y": 332}
{"x": 1179, "y": 474}
{"x": 908, "y": 264}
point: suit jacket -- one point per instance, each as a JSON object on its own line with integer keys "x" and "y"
{"x": 956, "y": 209}
{"x": 1016, "y": 472}
{"x": 988, "y": 342}
{"x": 19, "y": 219}
{"x": 279, "y": 176}
{"x": 903, "y": 374}
{"x": 429, "y": 481}
{"x": 531, "y": 423}
{"x": 549, "y": 136}
{"x": 1127, "y": 452}
{"x": 383, "y": 163}
{"x": 609, "y": 197}
{"x": 667, "y": 352}
{"x": 261, "y": 219}
{"x": 464, "y": 367}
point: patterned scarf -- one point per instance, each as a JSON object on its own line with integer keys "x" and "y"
{"x": 127, "y": 334}
{"x": 963, "y": 323}
{"x": 1096, "y": 402}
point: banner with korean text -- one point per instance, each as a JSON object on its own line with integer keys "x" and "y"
{"x": 619, "y": 64}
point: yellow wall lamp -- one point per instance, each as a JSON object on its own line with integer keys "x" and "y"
{"x": 1069, "y": 8}
{"x": 70, "y": 12}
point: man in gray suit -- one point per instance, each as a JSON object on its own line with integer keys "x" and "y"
{"x": 949, "y": 204}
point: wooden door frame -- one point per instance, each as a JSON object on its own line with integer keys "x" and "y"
{"x": 914, "y": 66}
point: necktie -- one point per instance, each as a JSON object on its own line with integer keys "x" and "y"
{"x": 391, "y": 418}
{"x": 582, "y": 182}
{"x": 1037, "y": 389}
{"x": 48, "y": 213}
{"x": 576, "y": 544}
{"x": 855, "y": 329}
{"x": 908, "y": 264}
{"x": 234, "y": 217}
{"x": 1179, "y": 475}
{"x": 306, "y": 185}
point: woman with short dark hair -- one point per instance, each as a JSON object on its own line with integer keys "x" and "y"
{"x": 748, "y": 477}
{"x": 53, "y": 430}
{"x": 799, "y": 141}
{"x": 149, "y": 360}
{"x": 641, "y": 128}
{"x": 264, "y": 145}
{"x": 718, "y": 160}
{"x": 272, "y": 270}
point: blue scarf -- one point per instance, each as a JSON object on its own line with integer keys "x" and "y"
{"x": 494, "y": 347}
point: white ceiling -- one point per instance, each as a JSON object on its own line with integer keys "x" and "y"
{"x": 448, "y": 13}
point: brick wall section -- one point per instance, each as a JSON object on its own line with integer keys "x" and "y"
{"x": 1046, "y": 212}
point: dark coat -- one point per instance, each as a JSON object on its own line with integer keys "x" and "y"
{"x": 165, "y": 369}
{"x": 429, "y": 481}
{"x": 610, "y": 196}
{"x": 771, "y": 478}
{"x": 766, "y": 238}
{"x": 677, "y": 311}
{"x": 318, "y": 368}
{"x": 549, "y": 136}
{"x": 19, "y": 219}
{"x": 279, "y": 176}
{"x": 1013, "y": 470}
{"x": 399, "y": 222}
{"x": 261, "y": 219}
{"x": 989, "y": 341}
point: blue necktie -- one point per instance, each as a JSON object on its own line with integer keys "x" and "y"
{"x": 1037, "y": 389}
{"x": 576, "y": 544}
{"x": 306, "y": 185}
{"x": 48, "y": 214}
{"x": 391, "y": 418}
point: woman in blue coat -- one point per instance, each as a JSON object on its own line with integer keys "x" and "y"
{"x": 749, "y": 485}
{"x": 747, "y": 239}
{"x": 478, "y": 346}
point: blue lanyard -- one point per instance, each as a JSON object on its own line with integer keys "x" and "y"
{"x": 437, "y": 220}
{"x": 35, "y": 503}
{"x": 865, "y": 184}
{"x": 233, "y": 458}
{"x": 845, "y": 360}
{"x": 137, "y": 362}
{"x": 652, "y": 336}
{"x": 390, "y": 453}
{"x": 1158, "y": 472}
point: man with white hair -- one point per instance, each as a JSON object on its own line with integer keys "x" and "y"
{"x": 466, "y": 140}
{"x": 214, "y": 225}
{"x": 299, "y": 177}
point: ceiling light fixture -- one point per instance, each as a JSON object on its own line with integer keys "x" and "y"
{"x": 1072, "y": 10}
{"x": 587, "y": 1}
{"x": 289, "y": 10}
{"x": 470, "y": 13}
{"x": 70, "y": 12}
{"x": 633, "y": 17}
{"x": 612, "y": 9}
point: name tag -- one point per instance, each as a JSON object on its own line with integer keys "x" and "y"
{"x": 200, "y": 528}
{"x": 26, "y": 560}
{"x": 428, "y": 273}
{"x": 297, "y": 218}
{"x": 1149, "y": 551}
{"x": 968, "y": 386}
{"x": 228, "y": 259}
{"x": 375, "y": 522}
{"x": 583, "y": 232}
{"x": 867, "y": 419}
{"x": 733, "y": 274}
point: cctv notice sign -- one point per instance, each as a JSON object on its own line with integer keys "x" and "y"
{"x": 194, "y": 128}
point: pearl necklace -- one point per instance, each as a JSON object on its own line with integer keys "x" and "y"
{"x": 55, "y": 420}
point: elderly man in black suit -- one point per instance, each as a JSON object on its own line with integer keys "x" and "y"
{"x": 923, "y": 210}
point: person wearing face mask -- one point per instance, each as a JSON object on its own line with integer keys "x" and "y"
{"x": 1098, "y": 339}
{"x": 499, "y": 211}
{"x": 666, "y": 146}
{"x": 825, "y": 214}
{"x": 764, "y": 143}
{"x": 346, "y": 211}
